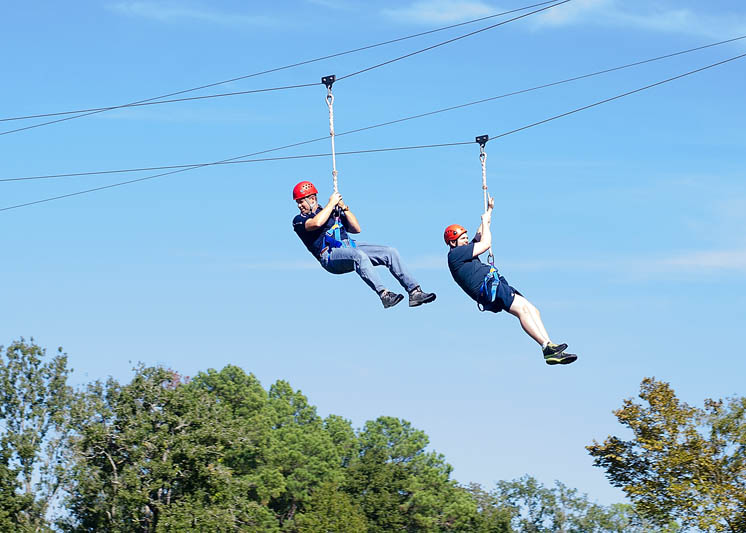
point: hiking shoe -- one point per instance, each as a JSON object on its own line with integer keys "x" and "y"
{"x": 554, "y": 354}
{"x": 553, "y": 349}
{"x": 390, "y": 299}
{"x": 560, "y": 358}
{"x": 418, "y": 297}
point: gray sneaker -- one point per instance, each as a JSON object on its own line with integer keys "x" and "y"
{"x": 418, "y": 297}
{"x": 390, "y": 299}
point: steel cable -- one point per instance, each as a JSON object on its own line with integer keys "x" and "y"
{"x": 491, "y": 138}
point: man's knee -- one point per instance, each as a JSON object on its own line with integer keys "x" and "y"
{"x": 520, "y": 306}
{"x": 359, "y": 257}
{"x": 391, "y": 254}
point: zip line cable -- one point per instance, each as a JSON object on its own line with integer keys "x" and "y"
{"x": 491, "y": 137}
{"x": 252, "y": 91}
{"x": 144, "y": 103}
{"x": 452, "y": 40}
{"x": 92, "y": 111}
{"x": 390, "y": 122}
{"x": 617, "y": 97}
{"x": 233, "y": 160}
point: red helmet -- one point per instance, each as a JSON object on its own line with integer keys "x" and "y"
{"x": 303, "y": 189}
{"x": 453, "y": 232}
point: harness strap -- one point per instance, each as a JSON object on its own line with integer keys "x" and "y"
{"x": 333, "y": 237}
{"x": 488, "y": 291}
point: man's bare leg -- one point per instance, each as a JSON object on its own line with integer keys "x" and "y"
{"x": 521, "y": 308}
{"x": 537, "y": 319}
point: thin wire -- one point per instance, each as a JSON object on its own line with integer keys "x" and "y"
{"x": 186, "y": 99}
{"x": 443, "y": 43}
{"x": 225, "y": 161}
{"x": 491, "y": 137}
{"x": 138, "y": 104}
{"x": 269, "y": 71}
{"x": 390, "y": 122}
{"x": 617, "y": 97}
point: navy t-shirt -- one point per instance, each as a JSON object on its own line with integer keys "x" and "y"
{"x": 314, "y": 240}
{"x": 468, "y": 271}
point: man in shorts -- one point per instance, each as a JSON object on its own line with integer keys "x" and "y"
{"x": 326, "y": 237}
{"x": 491, "y": 291}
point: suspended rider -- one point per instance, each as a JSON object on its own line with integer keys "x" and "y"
{"x": 491, "y": 291}
{"x": 325, "y": 232}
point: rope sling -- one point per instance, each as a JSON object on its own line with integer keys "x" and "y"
{"x": 333, "y": 237}
{"x": 488, "y": 290}
{"x": 482, "y": 140}
{"x": 329, "y": 81}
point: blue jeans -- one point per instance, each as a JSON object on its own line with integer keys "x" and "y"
{"x": 362, "y": 260}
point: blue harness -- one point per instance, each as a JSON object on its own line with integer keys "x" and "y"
{"x": 333, "y": 237}
{"x": 488, "y": 290}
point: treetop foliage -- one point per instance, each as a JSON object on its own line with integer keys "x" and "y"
{"x": 683, "y": 463}
{"x": 219, "y": 452}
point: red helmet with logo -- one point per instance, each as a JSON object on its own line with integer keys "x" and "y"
{"x": 453, "y": 232}
{"x": 303, "y": 189}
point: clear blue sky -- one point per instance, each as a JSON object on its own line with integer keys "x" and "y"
{"x": 624, "y": 224}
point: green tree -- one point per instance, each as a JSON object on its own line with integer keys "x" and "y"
{"x": 401, "y": 487}
{"x": 151, "y": 457}
{"x": 330, "y": 510}
{"x": 682, "y": 463}
{"x": 294, "y": 451}
{"x": 300, "y": 450}
{"x": 526, "y": 506}
{"x": 13, "y": 504}
{"x": 216, "y": 453}
{"x": 494, "y": 516}
{"x": 34, "y": 423}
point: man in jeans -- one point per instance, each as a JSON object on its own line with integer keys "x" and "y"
{"x": 326, "y": 237}
{"x": 491, "y": 291}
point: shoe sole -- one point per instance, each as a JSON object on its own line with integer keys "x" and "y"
{"x": 566, "y": 359}
{"x": 399, "y": 299}
{"x": 560, "y": 348}
{"x": 425, "y": 301}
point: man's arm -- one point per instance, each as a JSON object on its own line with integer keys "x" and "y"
{"x": 322, "y": 216}
{"x": 484, "y": 233}
{"x": 353, "y": 226}
{"x": 478, "y": 234}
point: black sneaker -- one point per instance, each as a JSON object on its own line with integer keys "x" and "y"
{"x": 554, "y": 354}
{"x": 563, "y": 358}
{"x": 390, "y": 299}
{"x": 552, "y": 349}
{"x": 418, "y": 297}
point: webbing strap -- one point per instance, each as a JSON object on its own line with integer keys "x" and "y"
{"x": 488, "y": 292}
{"x": 333, "y": 237}
{"x": 337, "y": 229}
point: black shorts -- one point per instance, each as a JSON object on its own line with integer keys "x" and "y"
{"x": 504, "y": 297}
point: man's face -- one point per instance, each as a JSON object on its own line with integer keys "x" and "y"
{"x": 307, "y": 204}
{"x": 461, "y": 241}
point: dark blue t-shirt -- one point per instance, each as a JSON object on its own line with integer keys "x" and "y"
{"x": 468, "y": 271}
{"x": 314, "y": 240}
